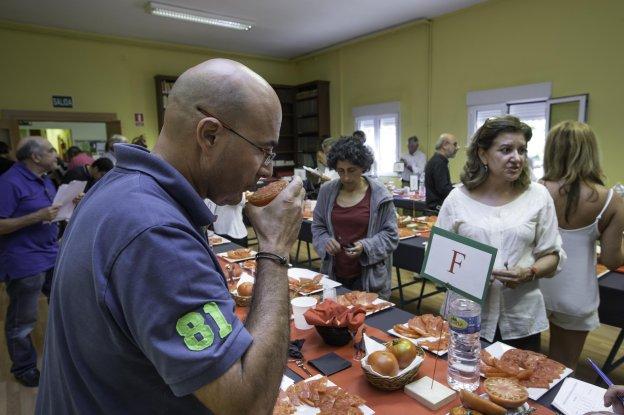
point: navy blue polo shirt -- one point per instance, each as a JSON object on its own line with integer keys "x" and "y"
{"x": 140, "y": 314}
{"x": 32, "y": 249}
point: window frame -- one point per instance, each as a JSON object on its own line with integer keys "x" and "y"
{"x": 582, "y": 100}
{"x": 377, "y": 112}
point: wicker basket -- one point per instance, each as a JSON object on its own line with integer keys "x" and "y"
{"x": 240, "y": 300}
{"x": 397, "y": 382}
{"x": 334, "y": 336}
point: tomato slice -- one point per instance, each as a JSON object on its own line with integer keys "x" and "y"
{"x": 506, "y": 392}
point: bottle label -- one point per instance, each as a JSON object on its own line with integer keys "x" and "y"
{"x": 465, "y": 325}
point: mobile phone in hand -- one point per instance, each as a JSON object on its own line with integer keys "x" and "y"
{"x": 349, "y": 248}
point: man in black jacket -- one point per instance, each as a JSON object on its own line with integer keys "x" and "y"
{"x": 437, "y": 176}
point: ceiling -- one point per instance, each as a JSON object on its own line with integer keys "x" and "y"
{"x": 282, "y": 28}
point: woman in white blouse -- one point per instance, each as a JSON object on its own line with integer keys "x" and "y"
{"x": 500, "y": 206}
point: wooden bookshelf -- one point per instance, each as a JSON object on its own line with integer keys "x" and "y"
{"x": 305, "y": 121}
{"x": 163, "y": 87}
{"x": 312, "y": 120}
{"x": 285, "y": 160}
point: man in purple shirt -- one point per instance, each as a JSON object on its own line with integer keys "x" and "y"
{"x": 28, "y": 247}
{"x": 141, "y": 320}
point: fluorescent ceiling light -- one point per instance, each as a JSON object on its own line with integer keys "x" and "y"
{"x": 197, "y": 16}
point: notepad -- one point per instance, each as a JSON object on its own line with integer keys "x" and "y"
{"x": 577, "y": 398}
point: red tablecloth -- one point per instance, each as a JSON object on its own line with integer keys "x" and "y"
{"x": 354, "y": 380}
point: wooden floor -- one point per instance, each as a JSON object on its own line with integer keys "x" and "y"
{"x": 18, "y": 400}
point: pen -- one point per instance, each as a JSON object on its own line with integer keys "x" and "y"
{"x": 603, "y": 376}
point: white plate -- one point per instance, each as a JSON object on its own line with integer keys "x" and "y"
{"x": 380, "y": 301}
{"x": 310, "y": 410}
{"x": 497, "y": 349}
{"x": 298, "y": 273}
{"x": 408, "y": 237}
{"x": 377, "y": 301}
{"x": 252, "y": 255}
{"x": 223, "y": 241}
{"x": 420, "y": 340}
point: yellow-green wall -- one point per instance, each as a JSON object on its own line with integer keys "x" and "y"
{"x": 388, "y": 68}
{"x": 101, "y": 74}
{"x": 575, "y": 44}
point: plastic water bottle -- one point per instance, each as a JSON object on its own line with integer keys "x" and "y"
{"x": 464, "y": 319}
{"x": 421, "y": 185}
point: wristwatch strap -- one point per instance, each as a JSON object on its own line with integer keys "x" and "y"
{"x": 273, "y": 257}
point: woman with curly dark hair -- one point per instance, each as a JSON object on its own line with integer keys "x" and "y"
{"x": 354, "y": 228}
{"x": 500, "y": 206}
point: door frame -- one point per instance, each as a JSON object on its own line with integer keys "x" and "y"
{"x": 10, "y": 119}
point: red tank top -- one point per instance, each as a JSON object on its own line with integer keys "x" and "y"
{"x": 350, "y": 225}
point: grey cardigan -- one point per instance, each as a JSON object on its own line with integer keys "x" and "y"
{"x": 381, "y": 240}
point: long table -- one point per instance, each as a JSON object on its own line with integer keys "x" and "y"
{"x": 353, "y": 380}
{"x": 409, "y": 204}
{"x": 409, "y": 256}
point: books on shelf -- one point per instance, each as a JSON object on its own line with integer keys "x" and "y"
{"x": 307, "y": 108}
{"x": 307, "y": 125}
{"x": 306, "y": 94}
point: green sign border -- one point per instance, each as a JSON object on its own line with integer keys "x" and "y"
{"x": 466, "y": 241}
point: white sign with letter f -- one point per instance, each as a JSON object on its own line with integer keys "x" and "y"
{"x": 459, "y": 263}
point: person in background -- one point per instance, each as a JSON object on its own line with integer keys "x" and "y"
{"x": 77, "y": 158}
{"x": 354, "y": 228}
{"x": 140, "y": 141}
{"x": 229, "y": 222}
{"x": 587, "y": 212}
{"x": 498, "y": 205}
{"x": 321, "y": 160}
{"x": 109, "y": 152}
{"x": 5, "y": 160}
{"x": 360, "y": 136}
{"x": 28, "y": 248}
{"x": 141, "y": 320}
{"x": 415, "y": 161}
{"x": 89, "y": 173}
{"x": 437, "y": 176}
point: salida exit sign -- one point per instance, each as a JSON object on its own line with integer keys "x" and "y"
{"x": 62, "y": 101}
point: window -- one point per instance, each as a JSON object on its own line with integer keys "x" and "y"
{"x": 380, "y": 123}
{"x": 533, "y": 114}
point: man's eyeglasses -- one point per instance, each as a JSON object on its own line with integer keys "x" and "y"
{"x": 268, "y": 152}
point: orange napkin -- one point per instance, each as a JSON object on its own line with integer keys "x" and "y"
{"x": 330, "y": 313}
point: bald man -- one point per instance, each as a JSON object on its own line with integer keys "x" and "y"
{"x": 141, "y": 320}
{"x": 438, "y": 183}
{"x": 28, "y": 247}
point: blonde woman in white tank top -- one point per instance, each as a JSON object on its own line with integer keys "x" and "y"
{"x": 587, "y": 212}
